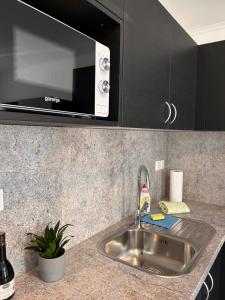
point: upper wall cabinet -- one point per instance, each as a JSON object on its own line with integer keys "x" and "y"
{"x": 159, "y": 69}
{"x": 146, "y": 64}
{"x": 211, "y": 87}
{"x": 183, "y": 81}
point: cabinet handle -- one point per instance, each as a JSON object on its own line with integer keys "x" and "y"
{"x": 212, "y": 282}
{"x": 175, "y": 113}
{"x": 169, "y": 112}
{"x": 207, "y": 290}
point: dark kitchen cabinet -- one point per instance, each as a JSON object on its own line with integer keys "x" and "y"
{"x": 211, "y": 87}
{"x": 183, "y": 82}
{"x": 115, "y": 6}
{"x": 217, "y": 273}
{"x": 159, "y": 69}
{"x": 146, "y": 64}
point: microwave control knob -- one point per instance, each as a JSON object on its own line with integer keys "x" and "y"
{"x": 104, "y": 64}
{"x": 104, "y": 86}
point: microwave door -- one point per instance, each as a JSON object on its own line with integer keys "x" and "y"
{"x": 45, "y": 65}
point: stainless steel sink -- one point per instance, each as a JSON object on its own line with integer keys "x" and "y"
{"x": 163, "y": 252}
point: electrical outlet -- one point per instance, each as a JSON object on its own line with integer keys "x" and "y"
{"x": 162, "y": 165}
{"x": 1, "y": 200}
{"x": 159, "y": 165}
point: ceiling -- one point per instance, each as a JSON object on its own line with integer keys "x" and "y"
{"x": 198, "y": 15}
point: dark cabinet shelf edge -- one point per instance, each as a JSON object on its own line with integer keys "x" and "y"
{"x": 15, "y": 118}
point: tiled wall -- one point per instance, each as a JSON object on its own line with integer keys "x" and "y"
{"x": 87, "y": 177}
{"x": 202, "y": 157}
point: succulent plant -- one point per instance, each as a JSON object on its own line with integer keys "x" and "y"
{"x": 51, "y": 243}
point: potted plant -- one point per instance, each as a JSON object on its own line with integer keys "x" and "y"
{"x": 51, "y": 252}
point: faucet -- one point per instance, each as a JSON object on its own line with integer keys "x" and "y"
{"x": 139, "y": 210}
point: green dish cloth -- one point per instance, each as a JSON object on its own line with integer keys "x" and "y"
{"x": 171, "y": 207}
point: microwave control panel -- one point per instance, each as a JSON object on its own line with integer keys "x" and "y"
{"x": 102, "y": 80}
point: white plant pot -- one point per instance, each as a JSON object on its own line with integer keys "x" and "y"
{"x": 52, "y": 269}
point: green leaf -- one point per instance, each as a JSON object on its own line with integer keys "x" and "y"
{"x": 47, "y": 254}
{"x": 66, "y": 237}
{"x": 63, "y": 228}
{"x": 59, "y": 238}
{"x": 34, "y": 235}
{"x": 42, "y": 245}
{"x": 52, "y": 246}
{"x": 56, "y": 228}
{"x": 33, "y": 248}
{"x": 64, "y": 243}
{"x": 47, "y": 233}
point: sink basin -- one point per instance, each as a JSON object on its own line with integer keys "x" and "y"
{"x": 159, "y": 251}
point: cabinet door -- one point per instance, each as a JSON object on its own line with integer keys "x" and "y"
{"x": 146, "y": 64}
{"x": 115, "y": 6}
{"x": 211, "y": 87}
{"x": 201, "y": 295}
{"x": 183, "y": 82}
{"x": 217, "y": 273}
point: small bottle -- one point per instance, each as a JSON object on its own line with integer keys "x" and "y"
{"x": 145, "y": 200}
{"x": 7, "y": 282}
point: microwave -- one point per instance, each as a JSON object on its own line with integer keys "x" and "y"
{"x": 48, "y": 67}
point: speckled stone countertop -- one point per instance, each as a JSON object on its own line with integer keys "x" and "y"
{"x": 90, "y": 275}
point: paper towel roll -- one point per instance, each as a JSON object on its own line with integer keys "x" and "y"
{"x": 176, "y": 185}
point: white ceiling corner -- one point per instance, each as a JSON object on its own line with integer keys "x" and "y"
{"x": 209, "y": 33}
{"x": 204, "y": 20}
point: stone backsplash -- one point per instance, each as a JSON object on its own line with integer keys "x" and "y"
{"x": 201, "y": 155}
{"x": 87, "y": 177}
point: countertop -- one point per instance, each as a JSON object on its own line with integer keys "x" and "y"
{"x": 90, "y": 275}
